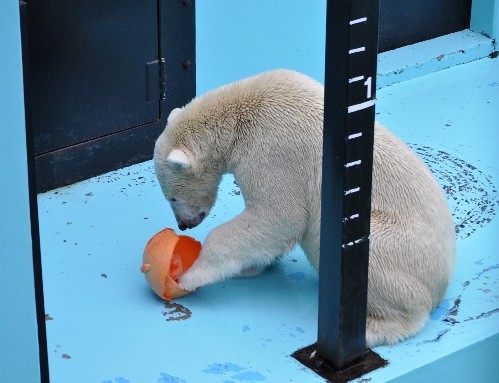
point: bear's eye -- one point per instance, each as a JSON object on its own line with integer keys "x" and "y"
{"x": 173, "y": 200}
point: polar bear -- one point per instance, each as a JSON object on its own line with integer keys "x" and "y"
{"x": 267, "y": 131}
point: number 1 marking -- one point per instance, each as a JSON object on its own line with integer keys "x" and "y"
{"x": 368, "y": 83}
{"x": 355, "y": 79}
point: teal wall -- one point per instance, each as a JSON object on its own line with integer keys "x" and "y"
{"x": 485, "y": 17}
{"x": 236, "y": 39}
{"x": 284, "y": 34}
{"x": 18, "y": 327}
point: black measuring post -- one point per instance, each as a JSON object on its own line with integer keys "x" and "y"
{"x": 349, "y": 99}
{"x": 340, "y": 353}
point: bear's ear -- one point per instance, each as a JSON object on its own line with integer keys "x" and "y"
{"x": 177, "y": 158}
{"x": 174, "y": 113}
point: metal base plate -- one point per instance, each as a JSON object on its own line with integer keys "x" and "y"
{"x": 308, "y": 357}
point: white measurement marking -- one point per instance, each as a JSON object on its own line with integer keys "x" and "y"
{"x": 346, "y": 219}
{"x": 359, "y": 78}
{"x": 356, "y": 50}
{"x": 354, "y": 190}
{"x": 357, "y": 21}
{"x": 353, "y": 163}
{"x": 362, "y": 105}
{"x": 352, "y": 243}
{"x": 355, "y": 135}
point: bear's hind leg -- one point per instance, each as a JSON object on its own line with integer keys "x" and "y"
{"x": 398, "y": 305}
{"x": 403, "y": 273}
{"x": 387, "y": 331}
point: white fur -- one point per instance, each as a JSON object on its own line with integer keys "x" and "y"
{"x": 267, "y": 131}
{"x": 178, "y": 157}
{"x": 174, "y": 113}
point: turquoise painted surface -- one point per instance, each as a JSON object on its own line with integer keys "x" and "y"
{"x": 115, "y": 321}
{"x": 485, "y": 17}
{"x": 18, "y": 329}
{"x": 105, "y": 325}
{"x": 236, "y": 39}
{"x": 431, "y": 56}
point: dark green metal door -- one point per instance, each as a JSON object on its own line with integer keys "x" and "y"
{"x": 96, "y": 80}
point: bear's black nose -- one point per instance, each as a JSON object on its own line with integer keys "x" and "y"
{"x": 191, "y": 223}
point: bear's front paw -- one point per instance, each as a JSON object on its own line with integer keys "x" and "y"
{"x": 201, "y": 274}
{"x": 187, "y": 282}
{"x": 198, "y": 275}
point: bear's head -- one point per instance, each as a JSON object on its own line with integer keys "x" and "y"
{"x": 188, "y": 183}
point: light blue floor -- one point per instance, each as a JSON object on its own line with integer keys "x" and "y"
{"x": 105, "y": 325}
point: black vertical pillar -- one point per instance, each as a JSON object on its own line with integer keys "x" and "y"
{"x": 350, "y": 87}
{"x": 340, "y": 353}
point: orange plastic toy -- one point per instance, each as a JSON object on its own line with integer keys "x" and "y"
{"x": 167, "y": 256}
